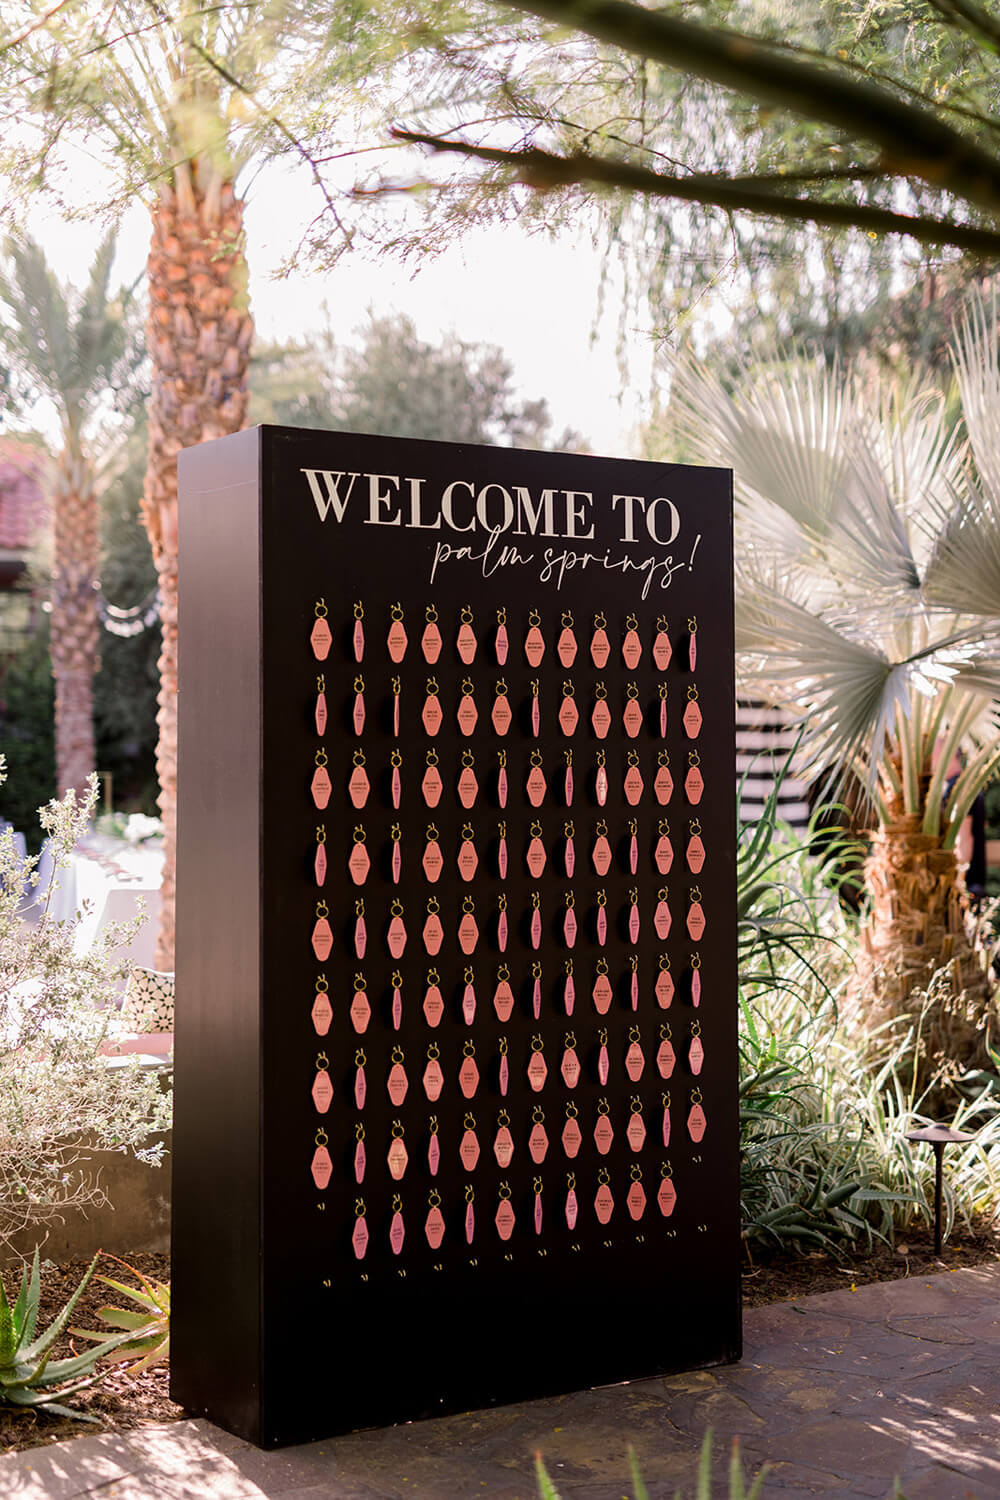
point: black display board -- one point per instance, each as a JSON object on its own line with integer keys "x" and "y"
{"x": 456, "y": 1067}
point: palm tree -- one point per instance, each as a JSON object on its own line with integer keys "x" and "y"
{"x": 868, "y": 605}
{"x": 80, "y": 353}
{"x": 175, "y": 99}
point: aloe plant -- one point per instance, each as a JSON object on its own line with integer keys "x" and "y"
{"x": 29, "y": 1377}
{"x": 147, "y": 1327}
{"x": 737, "y": 1481}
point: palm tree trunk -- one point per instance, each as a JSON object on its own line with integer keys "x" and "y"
{"x": 200, "y": 331}
{"x": 918, "y": 924}
{"x": 74, "y": 628}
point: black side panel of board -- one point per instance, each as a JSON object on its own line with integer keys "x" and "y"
{"x": 215, "y": 1338}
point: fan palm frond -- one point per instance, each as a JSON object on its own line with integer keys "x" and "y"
{"x": 849, "y": 692}
{"x": 976, "y": 359}
{"x": 799, "y": 438}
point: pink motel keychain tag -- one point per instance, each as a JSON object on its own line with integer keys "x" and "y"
{"x": 321, "y": 786}
{"x": 468, "y": 786}
{"x": 633, "y": 783}
{"x": 631, "y": 645}
{"x": 600, "y": 716}
{"x": 663, "y": 784}
{"x": 396, "y": 639}
{"x": 465, "y": 642}
{"x": 500, "y": 714}
{"x": 572, "y": 1135}
{"x": 361, "y": 1011}
{"x": 432, "y": 786}
{"x": 321, "y": 636}
{"x": 569, "y": 715}
{"x": 431, "y": 715}
{"x": 692, "y": 714}
{"x": 664, "y": 984}
{"x": 433, "y": 933}
{"x": 534, "y": 643}
{"x": 430, "y": 641}
{"x": 600, "y": 646}
{"x": 320, "y": 713}
{"x": 662, "y": 651}
{"x": 566, "y": 645}
{"x": 321, "y": 1166}
{"x": 467, "y": 715}
{"x": 358, "y": 786}
{"x": 501, "y": 643}
{"x": 322, "y": 1010}
{"x": 359, "y": 864}
{"x": 502, "y": 786}
{"x": 503, "y": 926}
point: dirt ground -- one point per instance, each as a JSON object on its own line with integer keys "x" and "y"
{"x": 123, "y": 1401}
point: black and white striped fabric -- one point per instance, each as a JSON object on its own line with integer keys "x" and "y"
{"x": 764, "y": 736}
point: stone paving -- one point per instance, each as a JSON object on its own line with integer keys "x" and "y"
{"x": 842, "y": 1394}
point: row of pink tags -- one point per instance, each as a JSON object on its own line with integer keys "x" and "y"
{"x": 468, "y": 931}
{"x": 537, "y": 1071}
{"x": 467, "y": 644}
{"x": 571, "y": 1138}
{"x": 535, "y": 783}
{"x": 535, "y": 856}
{"x": 502, "y": 715}
{"x": 433, "y": 1007}
{"x": 503, "y": 995}
{"x": 505, "y": 1218}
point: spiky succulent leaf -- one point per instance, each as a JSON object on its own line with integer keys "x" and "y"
{"x": 57, "y": 1370}
{"x": 39, "y": 1400}
{"x": 21, "y": 1305}
{"x": 155, "y": 1297}
{"x": 45, "y": 1341}
{"x": 8, "y": 1333}
{"x": 34, "y": 1297}
{"x": 121, "y": 1317}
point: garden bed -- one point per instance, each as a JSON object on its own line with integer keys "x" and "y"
{"x": 123, "y": 1401}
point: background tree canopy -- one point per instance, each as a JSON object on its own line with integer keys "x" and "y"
{"x": 396, "y": 383}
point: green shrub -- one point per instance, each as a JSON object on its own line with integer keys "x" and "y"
{"x": 59, "y": 1098}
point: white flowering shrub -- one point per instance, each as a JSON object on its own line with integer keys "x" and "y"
{"x": 59, "y": 1098}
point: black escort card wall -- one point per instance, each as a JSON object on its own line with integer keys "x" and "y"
{"x": 456, "y": 1066}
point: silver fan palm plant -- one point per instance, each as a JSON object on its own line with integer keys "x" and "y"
{"x": 868, "y": 605}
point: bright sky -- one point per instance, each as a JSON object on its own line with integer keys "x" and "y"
{"x": 536, "y": 298}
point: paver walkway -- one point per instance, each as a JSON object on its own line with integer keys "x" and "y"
{"x": 840, "y": 1393}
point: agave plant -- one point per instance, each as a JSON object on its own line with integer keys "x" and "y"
{"x": 868, "y": 605}
{"x": 737, "y": 1482}
{"x": 29, "y": 1377}
{"x": 147, "y": 1337}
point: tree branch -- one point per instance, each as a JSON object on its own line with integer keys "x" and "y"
{"x": 971, "y": 18}
{"x": 541, "y": 169}
{"x": 917, "y": 143}
{"x": 35, "y": 25}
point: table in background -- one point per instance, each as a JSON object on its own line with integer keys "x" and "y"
{"x": 108, "y": 875}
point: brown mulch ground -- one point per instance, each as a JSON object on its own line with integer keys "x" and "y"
{"x": 780, "y": 1278}
{"x": 124, "y": 1401}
